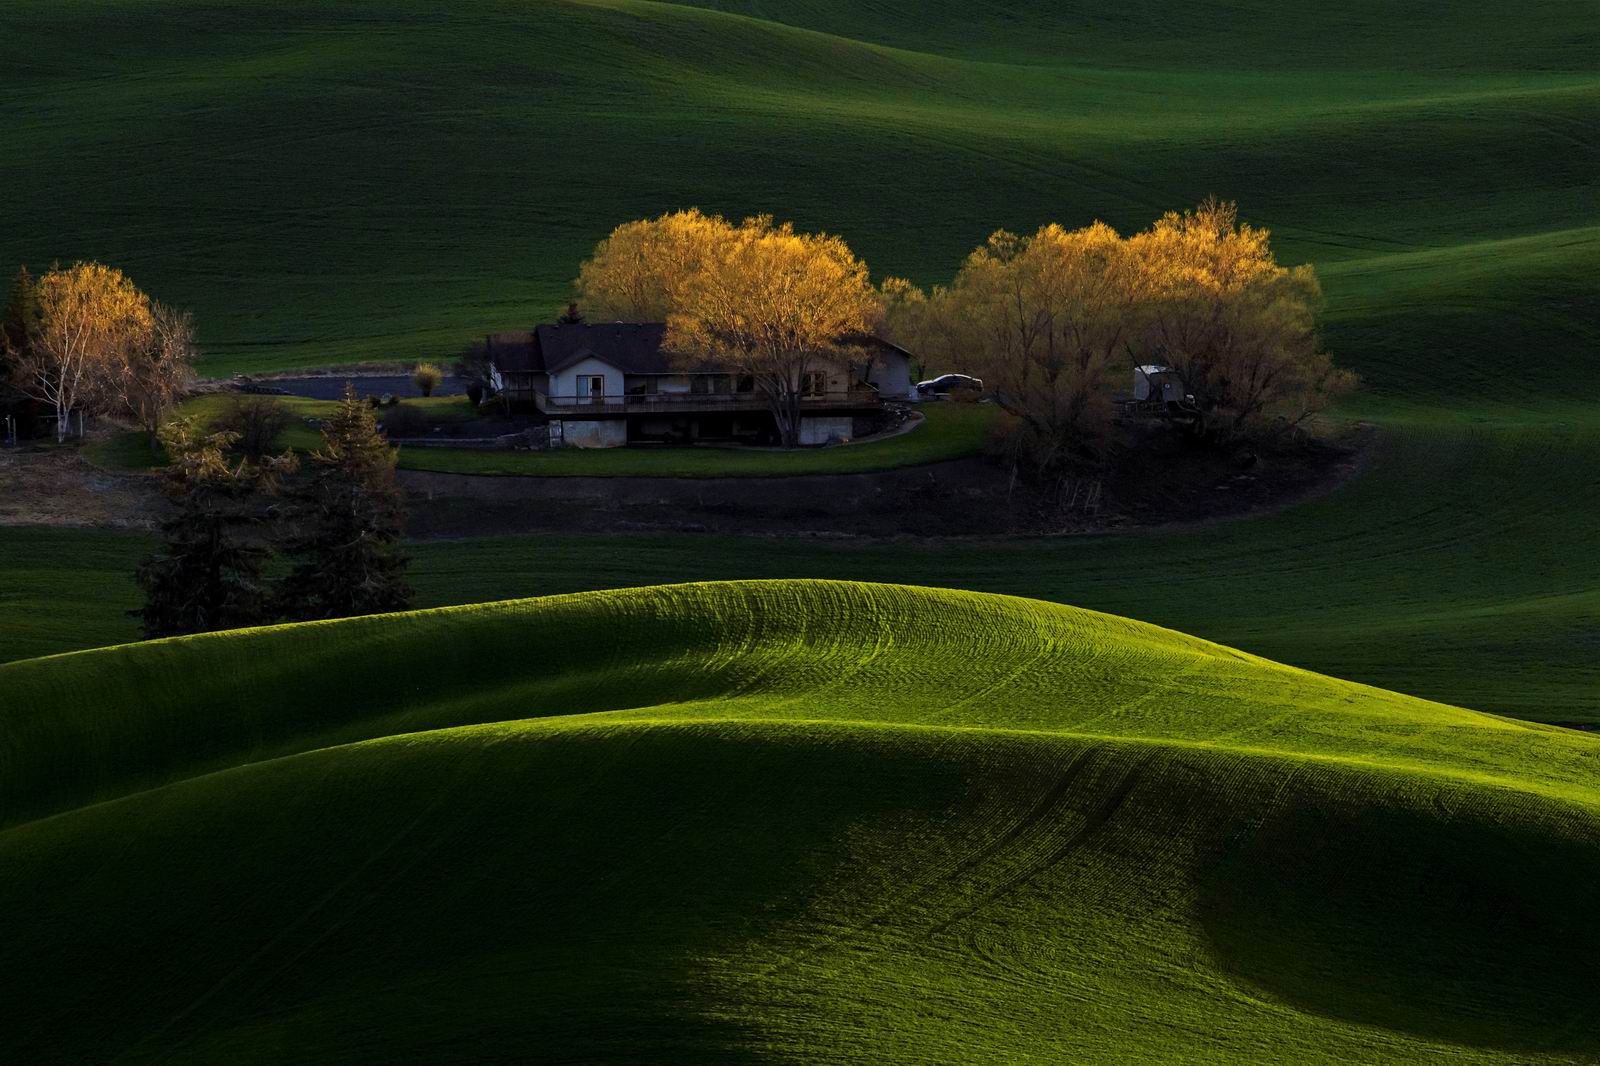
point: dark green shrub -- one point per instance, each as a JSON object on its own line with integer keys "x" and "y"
{"x": 257, "y": 421}
{"x": 404, "y": 420}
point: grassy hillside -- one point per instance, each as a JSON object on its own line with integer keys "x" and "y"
{"x": 793, "y": 821}
{"x": 325, "y": 182}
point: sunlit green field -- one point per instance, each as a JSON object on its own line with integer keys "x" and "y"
{"x": 813, "y": 822}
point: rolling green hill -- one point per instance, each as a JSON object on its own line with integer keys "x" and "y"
{"x": 777, "y": 821}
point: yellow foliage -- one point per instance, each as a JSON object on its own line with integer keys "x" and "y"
{"x": 1239, "y": 329}
{"x": 639, "y": 272}
{"x": 1045, "y": 319}
{"x": 90, "y": 320}
{"x": 1042, "y": 319}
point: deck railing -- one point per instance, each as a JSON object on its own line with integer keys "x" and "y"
{"x": 659, "y": 402}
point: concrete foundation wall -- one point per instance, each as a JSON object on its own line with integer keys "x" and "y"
{"x": 822, "y": 430}
{"x": 599, "y": 433}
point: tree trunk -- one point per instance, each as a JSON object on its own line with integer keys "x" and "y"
{"x": 786, "y": 415}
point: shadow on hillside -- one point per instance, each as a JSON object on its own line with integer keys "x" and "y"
{"x": 1457, "y": 925}
{"x": 501, "y": 894}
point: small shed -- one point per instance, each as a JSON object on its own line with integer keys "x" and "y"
{"x": 1158, "y": 384}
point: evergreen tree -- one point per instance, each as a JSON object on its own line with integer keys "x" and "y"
{"x": 208, "y": 573}
{"x": 347, "y": 520}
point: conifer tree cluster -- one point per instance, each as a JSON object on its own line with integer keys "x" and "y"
{"x": 348, "y": 518}
{"x": 210, "y": 570}
{"x": 338, "y": 526}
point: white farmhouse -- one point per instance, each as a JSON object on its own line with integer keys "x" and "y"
{"x": 612, "y": 384}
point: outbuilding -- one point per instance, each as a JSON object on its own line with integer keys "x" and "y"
{"x": 1154, "y": 383}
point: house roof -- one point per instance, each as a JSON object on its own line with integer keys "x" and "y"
{"x": 633, "y": 348}
{"x": 872, "y": 340}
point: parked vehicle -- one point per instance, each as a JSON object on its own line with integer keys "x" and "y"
{"x": 945, "y": 384}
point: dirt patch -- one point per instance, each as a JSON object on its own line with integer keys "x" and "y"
{"x": 55, "y": 487}
{"x": 1160, "y": 481}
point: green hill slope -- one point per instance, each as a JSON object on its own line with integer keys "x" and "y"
{"x": 777, "y": 821}
{"x": 324, "y": 182}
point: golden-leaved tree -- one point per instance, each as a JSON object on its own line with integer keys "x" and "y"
{"x": 89, "y": 322}
{"x": 641, "y": 271}
{"x": 1042, "y": 320}
{"x": 1240, "y": 330}
{"x": 776, "y": 306}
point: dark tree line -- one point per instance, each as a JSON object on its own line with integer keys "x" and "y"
{"x": 337, "y": 525}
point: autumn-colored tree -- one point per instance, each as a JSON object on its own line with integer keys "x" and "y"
{"x": 641, "y": 271}
{"x": 88, "y": 319}
{"x": 153, "y": 373}
{"x": 1042, "y": 319}
{"x": 774, "y": 305}
{"x": 346, "y": 522}
{"x": 1239, "y": 329}
{"x": 208, "y": 572}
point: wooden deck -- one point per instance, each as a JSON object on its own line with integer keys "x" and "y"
{"x": 690, "y": 403}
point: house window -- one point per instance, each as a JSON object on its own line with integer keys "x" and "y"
{"x": 746, "y": 383}
{"x": 592, "y": 387}
{"x": 721, "y": 384}
{"x": 700, "y": 385}
{"x": 814, "y": 383}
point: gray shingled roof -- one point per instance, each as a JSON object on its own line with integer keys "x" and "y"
{"x": 633, "y": 348}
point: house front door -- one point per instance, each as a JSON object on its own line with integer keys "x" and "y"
{"x": 594, "y": 387}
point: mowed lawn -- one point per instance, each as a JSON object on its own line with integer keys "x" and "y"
{"x": 769, "y": 821}
{"x": 947, "y": 430}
